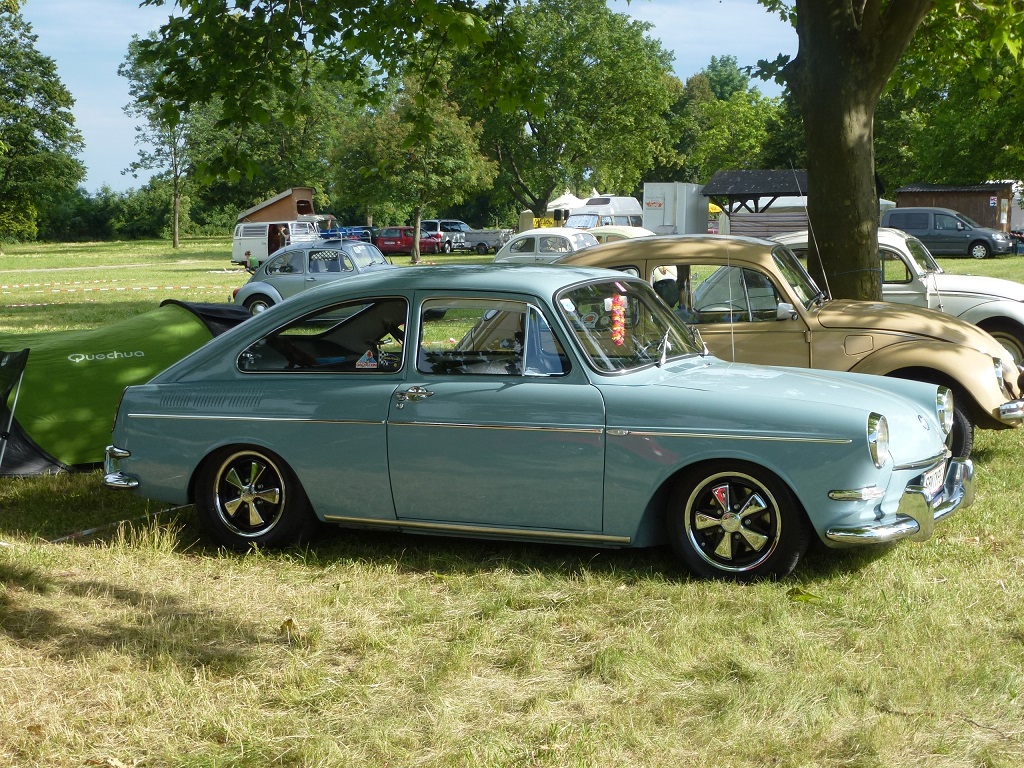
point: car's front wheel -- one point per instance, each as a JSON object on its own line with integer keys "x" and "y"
{"x": 735, "y": 520}
{"x": 979, "y": 250}
{"x": 248, "y": 496}
{"x": 258, "y": 303}
{"x": 960, "y": 440}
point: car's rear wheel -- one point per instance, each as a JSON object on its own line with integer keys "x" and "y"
{"x": 979, "y": 250}
{"x": 258, "y": 303}
{"x": 248, "y": 496}
{"x": 1010, "y": 335}
{"x": 736, "y": 520}
{"x": 447, "y": 246}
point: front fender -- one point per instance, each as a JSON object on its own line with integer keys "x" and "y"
{"x": 966, "y": 370}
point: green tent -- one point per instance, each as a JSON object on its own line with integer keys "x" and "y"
{"x": 72, "y": 381}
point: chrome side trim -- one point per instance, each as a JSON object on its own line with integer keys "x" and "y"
{"x": 479, "y": 530}
{"x": 726, "y": 436}
{"x": 916, "y": 515}
{"x": 118, "y": 480}
{"x": 508, "y": 427}
{"x": 274, "y": 419}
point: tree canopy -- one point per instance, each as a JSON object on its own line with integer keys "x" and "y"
{"x": 38, "y": 138}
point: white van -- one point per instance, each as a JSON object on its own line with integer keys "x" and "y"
{"x": 256, "y": 240}
{"x": 602, "y": 211}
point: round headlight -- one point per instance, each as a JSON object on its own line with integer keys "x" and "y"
{"x": 944, "y": 409}
{"x": 878, "y": 439}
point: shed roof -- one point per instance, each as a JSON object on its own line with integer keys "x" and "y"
{"x": 753, "y": 191}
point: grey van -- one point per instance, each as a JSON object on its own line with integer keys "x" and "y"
{"x": 949, "y": 233}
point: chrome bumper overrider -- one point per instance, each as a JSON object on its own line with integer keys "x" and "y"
{"x": 917, "y": 513}
{"x": 113, "y": 477}
{"x": 1012, "y": 411}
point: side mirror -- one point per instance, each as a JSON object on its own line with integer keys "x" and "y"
{"x": 960, "y": 226}
{"x": 785, "y": 311}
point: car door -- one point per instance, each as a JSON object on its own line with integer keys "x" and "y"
{"x": 736, "y": 311}
{"x": 481, "y": 435}
{"x": 551, "y": 247}
{"x": 523, "y": 250}
{"x": 949, "y": 234}
{"x": 901, "y": 282}
{"x": 287, "y": 272}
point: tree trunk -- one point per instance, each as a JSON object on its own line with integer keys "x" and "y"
{"x": 176, "y": 214}
{"x": 848, "y": 50}
{"x": 417, "y": 220}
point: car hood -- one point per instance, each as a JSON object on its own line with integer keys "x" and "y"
{"x": 803, "y": 402}
{"x": 983, "y": 287}
{"x": 903, "y": 318}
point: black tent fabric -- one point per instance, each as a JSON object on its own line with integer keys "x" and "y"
{"x": 17, "y": 448}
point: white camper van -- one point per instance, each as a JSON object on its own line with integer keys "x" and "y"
{"x": 256, "y": 240}
{"x": 601, "y": 211}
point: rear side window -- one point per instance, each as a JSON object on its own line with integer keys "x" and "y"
{"x": 908, "y": 221}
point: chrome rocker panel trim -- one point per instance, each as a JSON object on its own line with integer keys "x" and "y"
{"x": 916, "y": 515}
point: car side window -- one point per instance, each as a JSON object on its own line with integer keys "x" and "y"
{"x": 364, "y": 336}
{"x": 322, "y": 261}
{"x": 945, "y": 222}
{"x": 287, "y": 263}
{"x": 726, "y": 294}
{"x": 894, "y": 269}
{"x": 525, "y": 245}
{"x": 554, "y": 244}
{"x": 487, "y": 337}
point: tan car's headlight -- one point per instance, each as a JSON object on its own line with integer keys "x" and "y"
{"x": 944, "y": 409}
{"x": 878, "y": 439}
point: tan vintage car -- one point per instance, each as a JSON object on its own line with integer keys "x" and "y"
{"x": 754, "y": 302}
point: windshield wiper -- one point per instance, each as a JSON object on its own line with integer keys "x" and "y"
{"x": 664, "y": 347}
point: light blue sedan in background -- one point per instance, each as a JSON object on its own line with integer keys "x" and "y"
{"x": 564, "y": 405}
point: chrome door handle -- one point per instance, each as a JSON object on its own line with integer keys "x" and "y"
{"x": 414, "y": 394}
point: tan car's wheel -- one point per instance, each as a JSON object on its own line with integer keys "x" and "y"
{"x": 249, "y": 496}
{"x": 736, "y": 520}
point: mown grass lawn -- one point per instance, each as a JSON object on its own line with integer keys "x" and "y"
{"x": 141, "y": 645}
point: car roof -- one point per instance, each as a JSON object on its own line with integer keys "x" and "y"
{"x": 669, "y": 247}
{"x": 539, "y": 279}
{"x": 886, "y": 236}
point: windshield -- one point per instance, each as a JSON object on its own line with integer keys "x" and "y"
{"x": 968, "y": 219}
{"x": 622, "y": 325}
{"x": 804, "y": 288}
{"x": 919, "y": 253}
{"x": 364, "y": 254}
{"x": 582, "y": 221}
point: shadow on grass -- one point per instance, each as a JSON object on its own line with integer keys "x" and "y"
{"x": 143, "y": 624}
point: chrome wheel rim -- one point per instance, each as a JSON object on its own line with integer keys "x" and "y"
{"x": 249, "y": 494}
{"x": 733, "y": 521}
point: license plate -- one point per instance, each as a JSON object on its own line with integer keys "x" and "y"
{"x": 933, "y": 479}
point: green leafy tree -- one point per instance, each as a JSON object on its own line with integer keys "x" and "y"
{"x": 603, "y": 93}
{"x": 725, "y": 77}
{"x": 848, "y": 49}
{"x": 38, "y": 138}
{"x": 414, "y": 154}
{"x": 165, "y": 143}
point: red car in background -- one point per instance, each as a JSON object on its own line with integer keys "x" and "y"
{"x": 399, "y": 240}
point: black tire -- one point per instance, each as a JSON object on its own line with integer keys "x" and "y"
{"x": 248, "y": 496}
{"x": 979, "y": 250}
{"x": 258, "y": 303}
{"x": 736, "y": 520}
{"x": 482, "y": 249}
{"x": 1010, "y": 335}
{"x": 960, "y": 440}
{"x": 447, "y": 246}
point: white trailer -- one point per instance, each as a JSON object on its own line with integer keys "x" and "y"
{"x": 675, "y": 208}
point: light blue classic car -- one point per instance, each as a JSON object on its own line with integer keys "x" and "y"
{"x": 564, "y": 405}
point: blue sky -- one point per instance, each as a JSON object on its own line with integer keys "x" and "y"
{"x": 89, "y": 38}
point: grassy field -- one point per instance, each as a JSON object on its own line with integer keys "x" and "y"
{"x": 137, "y": 644}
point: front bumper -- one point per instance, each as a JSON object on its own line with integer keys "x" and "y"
{"x": 917, "y": 514}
